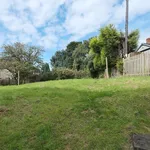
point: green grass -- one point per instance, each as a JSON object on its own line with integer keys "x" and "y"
{"x": 82, "y": 114}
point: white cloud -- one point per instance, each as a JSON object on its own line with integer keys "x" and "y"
{"x": 23, "y": 19}
{"x": 37, "y": 21}
{"x": 87, "y": 16}
{"x": 136, "y": 8}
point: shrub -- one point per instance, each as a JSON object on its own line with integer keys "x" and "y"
{"x": 48, "y": 76}
{"x": 64, "y": 73}
{"x": 119, "y": 66}
{"x": 7, "y": 81}
{"x": 82, "y": 74}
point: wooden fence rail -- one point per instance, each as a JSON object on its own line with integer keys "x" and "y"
{"x": 137, "y": 64}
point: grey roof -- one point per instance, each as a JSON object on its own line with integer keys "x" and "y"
{"x": 144, "y": 44}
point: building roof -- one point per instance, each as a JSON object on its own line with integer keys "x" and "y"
{"x": 143, "y": 47}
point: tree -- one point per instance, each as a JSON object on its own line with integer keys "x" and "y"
{"x": 59, "y": 59}
{"x": 80, "y": 56}
{"x": 109, "y": 39}
{"x": 93, "y": 71}
{"x": 23, "y": 58}
{"x": 64, "y": 58}
{"x": 46, "y": 74}
{"x": 45, "y": 68}
{"x": 94, "y": 60}
{"x": 69, "y": 52}
{"x": 105, "y": 45}
{"x": 92, "y": 54}
{"x": 95, "y": 45}
{"x": 133, "y": 41}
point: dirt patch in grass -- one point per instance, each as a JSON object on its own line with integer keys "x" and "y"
{"x": 3, "y": 110}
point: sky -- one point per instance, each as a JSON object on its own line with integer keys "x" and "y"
{"x": 52, "y": 24}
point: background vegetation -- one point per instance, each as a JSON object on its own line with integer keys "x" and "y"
{"x": 91, "y": 54}
{"x": 78, "y": 60}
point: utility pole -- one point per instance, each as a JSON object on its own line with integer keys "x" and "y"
{"x": 126, "y": 28}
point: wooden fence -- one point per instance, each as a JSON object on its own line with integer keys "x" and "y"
{"x": 137, "y": 64}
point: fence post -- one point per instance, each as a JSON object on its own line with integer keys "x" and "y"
{"x": 107, "y": 74}
{"x": 123, "y": 67}
{"x": 18, "y": 77}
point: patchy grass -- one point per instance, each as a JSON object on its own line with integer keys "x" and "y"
{"x": 74, "y": 114}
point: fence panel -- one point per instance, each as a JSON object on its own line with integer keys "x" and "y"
{"x": 137, "y": 64}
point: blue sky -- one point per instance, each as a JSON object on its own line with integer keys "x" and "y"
{"x": 52, "y": 24}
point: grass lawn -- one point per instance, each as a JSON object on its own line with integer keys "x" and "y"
{"x": 82, "y": 114}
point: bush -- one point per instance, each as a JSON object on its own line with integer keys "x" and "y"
{"x": 34, "y": 78}
{"x": 82, "y": 74}
{"x": 119, "y": 66}
{"x": 64, "y": 73}
{"x": 7, "y": 81}
{"x": 48, "y": 76}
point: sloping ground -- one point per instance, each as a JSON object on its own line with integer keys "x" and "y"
{"x": 74, "y": 114}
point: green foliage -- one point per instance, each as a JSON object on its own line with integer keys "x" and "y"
{"x": 103, "y": 57}
{"x": 104, "y": 46}
{"x": 80, "y": 56}
{"x": 45, "y": 68}
{"x": 95, "y": 45}
{"x": 62, "y": 73}
{"x": 110, "y": 44}
{"x": 133, "y": 40}
{"x": 94, "y": 72}
{"x": 69, "y": 52}
{"x": 65, "y": 73}
{"x": 97, "y": 62}
{"x": 109, "y": 41}
{"x": 82, "y": 74}
{"x": 94, "y": 57}
{"x": 92, "y": 54}
{"x": 47, "y": 76}
{"x": 59, "y": 59}
{"x": 23, "y": 58}
{"x": 64, "y": 58}
{"x": 119, "y": 65}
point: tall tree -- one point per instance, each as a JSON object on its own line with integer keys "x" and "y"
{"x": 109, "y": 39}
{"x": 23, "y": 58}
{"x": 94, "y": 59}
{"x": 59, "y": 59}
{"x": 45, "y": 68}
{"x": 64, "y": 58}
{"x": 69, "y": 52}
{"x": 45, "y": 72}
{"x": 133, "y": 39}
{"x": 80, "y": 56}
